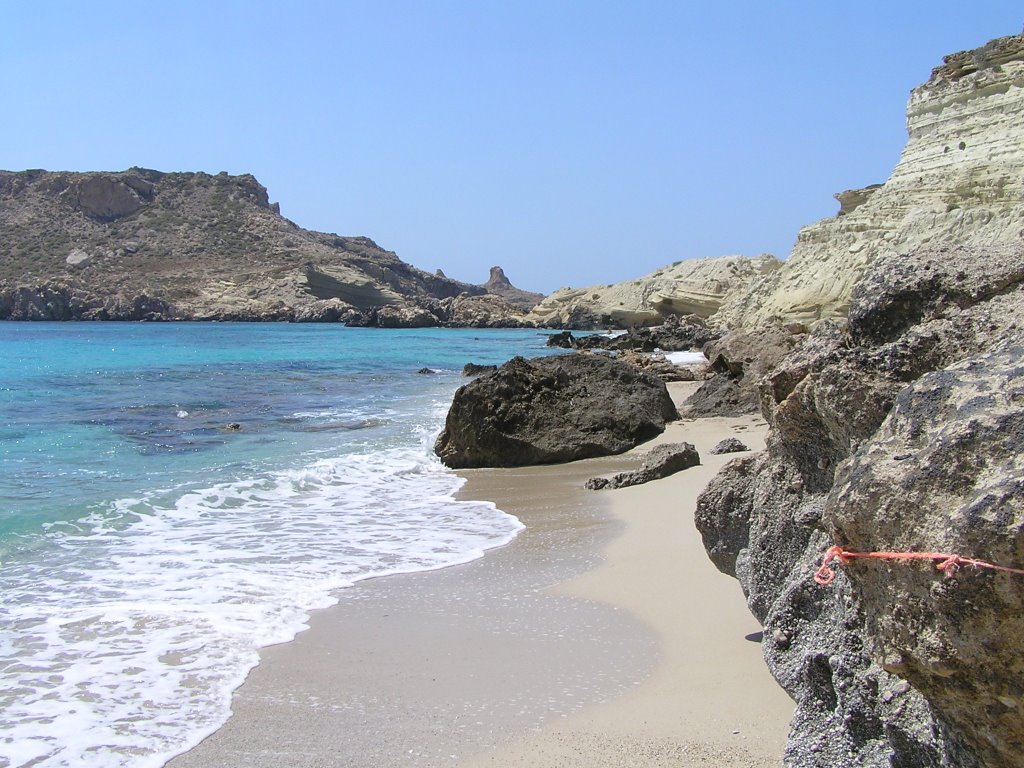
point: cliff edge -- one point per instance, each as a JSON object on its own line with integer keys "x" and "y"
{"x": 959, "y": 180}
{"x": 692, "y": 287}
{"x": 897, "y": 428}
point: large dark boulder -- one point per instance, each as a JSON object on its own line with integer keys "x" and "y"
{"x": 552, "y": 409}
{"x": 901, "y": 431}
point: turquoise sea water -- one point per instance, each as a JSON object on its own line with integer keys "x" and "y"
{"x": 147, "y": 550}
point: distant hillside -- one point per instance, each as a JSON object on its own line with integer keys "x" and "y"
{"x": 142, "y": 244}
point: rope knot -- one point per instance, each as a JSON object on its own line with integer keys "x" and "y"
{"x": 950, "y": 565}
{"x": 825, "y": 575}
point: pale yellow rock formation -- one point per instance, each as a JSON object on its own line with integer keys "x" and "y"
{"x": 693, "y": 287}
{"x": 959, "y": 180}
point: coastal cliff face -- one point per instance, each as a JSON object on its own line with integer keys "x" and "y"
{"x": 695, "y": 287}
{"x": 142, "y": 244}
{"x": 959, "y": 180}
{"x": 898, "y": 429}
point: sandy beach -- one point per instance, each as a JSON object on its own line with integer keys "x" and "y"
{"x": 601, "y": 636}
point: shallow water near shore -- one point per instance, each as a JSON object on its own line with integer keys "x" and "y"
{"x": 149, "y": 547}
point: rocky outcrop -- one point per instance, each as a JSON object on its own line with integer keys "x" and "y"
{"x": 487, "y": 311}
{"x": 59, "y": 301}
{"x": 661, "y": 461}
{"x": 898, "y": 432}
{"x": 738, "y": 361}
{"x": 945, "y": 473}
{"x": 676, "y": 334}
{"x": 552, "y": 409}
{"x": 959, "y": 180}
{"x": 694, "y": 287}
{"x": 475, "y": 369}
{"x": 656, "y": 364}
{"x": 203, "y": 247}
{"x": 499, "y": 285}
{"x": 729, "y": 445}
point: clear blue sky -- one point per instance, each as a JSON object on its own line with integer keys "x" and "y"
{"x": 573, "y": 143}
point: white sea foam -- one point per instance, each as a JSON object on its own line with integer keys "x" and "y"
{"x": 685, "y": 358}
{"x": 106, "y": 670}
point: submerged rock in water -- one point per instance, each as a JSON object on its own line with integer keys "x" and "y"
{"x": 552, "y": 409}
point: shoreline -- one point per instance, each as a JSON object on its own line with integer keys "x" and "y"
{"x": 521, "y": 657}
{"x": 710, "y": 701}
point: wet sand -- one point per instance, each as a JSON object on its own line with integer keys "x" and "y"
{"x": 601, "y": 636}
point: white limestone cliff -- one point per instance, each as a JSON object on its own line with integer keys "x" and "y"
{"x": 697, "y": 287}
{"x": 959, "y": 180}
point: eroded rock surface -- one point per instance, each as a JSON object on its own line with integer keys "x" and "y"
{"x": 661, "y": 461}
{"x": 945, "y": 473}
{"x": 900, "y": 431}
{"x": 737, "y": 361}
{"x": 959, "y": 180}
{"x": 552, "y": 409}
{"x": 729, "y": 445}
{"x": 676, "y": 334}
{"x": 693, "y": 287}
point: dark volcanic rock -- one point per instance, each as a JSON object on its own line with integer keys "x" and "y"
{"x": 729, "y": 445}
{"x": 677, "y": 334}
{"x": 739, "y": 360}
{"x": 474, "y": 369}
{"x": 901, "y": 432}
{"x": 552, "y": 409}
{"x": 562, "y": 340}
{"x": 661, "y": 461}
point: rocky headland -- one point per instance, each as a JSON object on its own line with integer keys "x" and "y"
{"x": 959, "y": 180}
{"x": 146, "y": 245}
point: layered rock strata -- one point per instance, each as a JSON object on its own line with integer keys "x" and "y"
{"x": 694, "y": 287}
{"x": 959, "y": 180}
{"x": 141, "y": 244}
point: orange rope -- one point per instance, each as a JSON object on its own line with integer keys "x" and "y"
{"x": 948, "y": 564}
